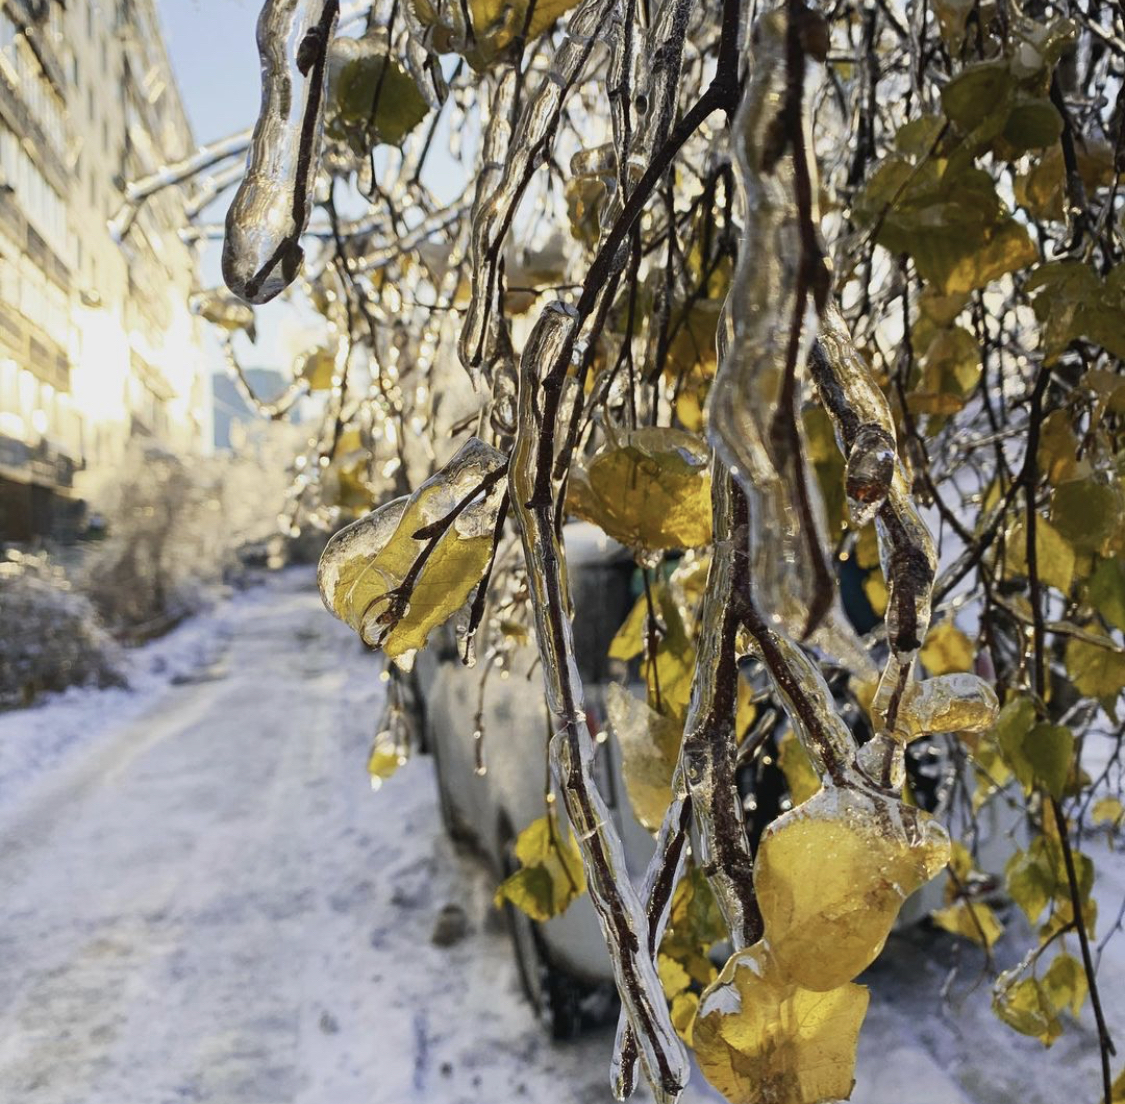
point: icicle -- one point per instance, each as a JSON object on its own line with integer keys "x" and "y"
{"x": 703, "y": 787}
{"x": 619, "y": 908}
{"x": 262, "y": 251}
{"x": 659, "y": 73}
{"x": 751, "y": 405}
{"x": 529, "y": 145}
{"x": 865, "y": 430}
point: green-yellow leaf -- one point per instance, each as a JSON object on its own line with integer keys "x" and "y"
{"x": 493, "y": 25}
{"x": 1087, "y": 512}
{"x": 1108, "y": 810}
{"x": 550, "y": 876}
{"x": 1054, "y": 556}
{"x": 1095, "y": 671}
{"x": 1065, "y": 984}
{"x": 1106, "y": 590}
{"x": 1039, "y": 754}
{"x": 652, "y": 490}
{"x": 371, "y": 98}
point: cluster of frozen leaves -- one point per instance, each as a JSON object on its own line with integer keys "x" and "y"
{"x": 772, "y": 296}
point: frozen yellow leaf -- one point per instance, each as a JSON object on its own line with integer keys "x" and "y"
{"x": 832, "y": 875}
{"x": 1054, "y": 556}
{"x": 1065, "y": 984}
{"x": 318, "y": 367}
{"x": 1108, "y": 810}
{"x": 493, "y": 24}
{"x": 1095, "y": 671}
{"x": 629, "y": 640}
{"x": 684, "y": 1008}
{"x": 391, "y": 578}
{"x": 974, "y": 921}
{"x": 947, "y": 649}
{"x": 649, "y": 745}
{"x": 550, "y": 876}
{"x": 695, "y": 925}
{"x": 651, "y": 490}
{"x": 759, "y": 1039}
{"x": 797, "y": 768}
{"x": 960, "y": 702}
{"x": 674, "y": 978}
{"x": 385, "y": 758}
{"x": 1027, "y": 1008}
{"x": 875, "y": 587}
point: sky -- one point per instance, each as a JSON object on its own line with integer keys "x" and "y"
{"x": 211, "y": 44}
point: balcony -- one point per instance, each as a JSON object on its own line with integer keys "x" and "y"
{"x": 40, "y": 464}
{"x": 30, "y": 348}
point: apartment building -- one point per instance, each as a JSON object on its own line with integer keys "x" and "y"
{"x": 97, "y": 345}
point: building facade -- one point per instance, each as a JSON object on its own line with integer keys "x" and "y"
{"x": 97, "y": 345}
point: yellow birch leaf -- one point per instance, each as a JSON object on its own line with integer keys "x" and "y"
{"x": 651, "y": 491}
{"x": 684, "y": 1008}
{"x": 650, "y": 745}
{"x": 1027, "y": 1008}
{"x": 832, "y": 875}
{"x": 1065, "y": 984}
{"x": 976, "y": 922}
{"x": 550, "y": 876}
{"x": 797, "y": 768}
{"x": 758, "y": 1037}
{"x": 947, "y": 649}
{"x": 394, "y": 587}
{"x": 1108, "y": 810}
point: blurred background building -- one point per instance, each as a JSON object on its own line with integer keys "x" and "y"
{"x": 97, "y": 345}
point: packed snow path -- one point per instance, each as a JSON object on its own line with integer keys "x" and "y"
{"x": 202, "y": 900}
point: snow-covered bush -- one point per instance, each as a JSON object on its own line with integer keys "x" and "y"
{"x": 50, "y": 636}
{"x": 176, "y": 527}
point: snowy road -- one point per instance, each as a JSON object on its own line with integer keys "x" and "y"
{"x": 202, "y": 900}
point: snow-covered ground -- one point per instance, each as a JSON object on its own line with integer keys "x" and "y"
{"x": 202, "y": 900}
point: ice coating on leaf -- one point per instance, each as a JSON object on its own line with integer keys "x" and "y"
{"x": 752, "y": 413}
{"x": 529, "y": 145}
{"x": 620, "y": 912}
{"x": 958, "y": 702}
{"x": 262, "y": 251}
{"x": 832, "y": 875}
{"x": 650, "y": 747}
{"x": 650, "y": 489}
{"x": 398, "y": 573}
{"x": 760, "y": 1039}
{"x": 351, "y": 549}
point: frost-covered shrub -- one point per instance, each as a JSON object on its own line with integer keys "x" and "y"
{"x": 175, "y": 528}
{"x": 50, "y": 636}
